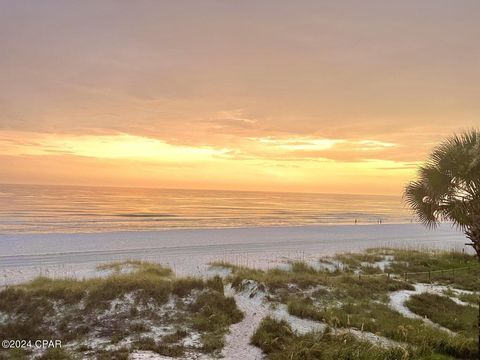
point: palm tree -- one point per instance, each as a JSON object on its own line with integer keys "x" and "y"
{"x": 448, "y": 189}
{"x": 448, "y": 186}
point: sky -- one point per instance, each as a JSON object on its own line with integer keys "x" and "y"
{"x": 308, "y": 96}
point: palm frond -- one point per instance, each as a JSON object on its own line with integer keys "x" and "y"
{"x": 417, "y": 197}
{"x": 448, "y": 185}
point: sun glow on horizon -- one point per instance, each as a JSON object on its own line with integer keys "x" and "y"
{"x": 285, "y": 164}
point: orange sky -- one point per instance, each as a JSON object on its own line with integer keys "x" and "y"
{"x": 313, "y": 96}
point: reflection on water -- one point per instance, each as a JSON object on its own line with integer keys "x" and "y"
{"x": 93, "y": 209}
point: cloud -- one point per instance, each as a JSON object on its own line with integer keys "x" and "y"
{"x": 321, "y": 149}
{"x": 301, "y": 84}
{"x": 141, "y": 148}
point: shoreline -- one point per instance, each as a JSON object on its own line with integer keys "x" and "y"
{"x": 252, "y": 226}
{"x": 188, "y": 251}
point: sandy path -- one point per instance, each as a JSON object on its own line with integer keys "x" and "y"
{"x": 252, "y": 302}
{"x": 237, "y": 343}
{"x": 147, "y": 355}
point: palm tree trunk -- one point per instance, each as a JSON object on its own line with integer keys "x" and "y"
{"x": 473, "y": 233}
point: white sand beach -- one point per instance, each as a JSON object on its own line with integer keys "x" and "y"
{"x": 188, "y": 252}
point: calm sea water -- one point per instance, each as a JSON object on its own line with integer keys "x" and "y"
{"x": 67, "y": 209}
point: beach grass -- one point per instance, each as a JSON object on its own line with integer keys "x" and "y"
{"x": 381, "y": 320}
{"x": 419, "y": 265}
{"x": 122, "y": 308}
{"x": 472, "y": 299}
{"x": 277, "y": 339}
{"x": 344, "y": 284}
{"x": 356, "y": 294}
{"x": 445, "y": 312}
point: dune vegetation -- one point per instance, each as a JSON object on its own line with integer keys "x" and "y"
{"x": 378, "y": 304}
{"x": 356, "y": 291}
{"x": 139, "y": 306}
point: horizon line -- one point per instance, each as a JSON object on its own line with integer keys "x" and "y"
{"x": 194, "y": 189}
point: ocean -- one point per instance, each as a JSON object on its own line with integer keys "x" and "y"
{"x": 77, "y": 209}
